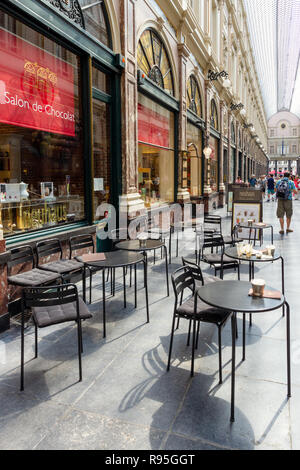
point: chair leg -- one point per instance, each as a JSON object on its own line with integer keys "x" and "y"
{"x": 193, "y": 348}
{"x": 198, "y": 331}
{"x": 171, "y": 343}
{"x": 189, "y": 333}
{"x": 220, "y": 354}
{"x": 36, "y": 340}
{"x": 79, "y": 337}
{"x": 239, "y": 274}
{"x": 107, "y": 275}
{"x": 22, "y": 352}
{"x": 91, "y": 281}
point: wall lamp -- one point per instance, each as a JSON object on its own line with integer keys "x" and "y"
{"x": 211, "y": 75}
{"x": 233, "y": 107}
{"x": 247, "y": 126}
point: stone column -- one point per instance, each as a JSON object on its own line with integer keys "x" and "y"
{"x": 183, "y": 53}
{"x": 221, "y": 158}
{"x": 229, "y": 146}
{"x": 130, "y": 200}
{"x": 206, "y": 187}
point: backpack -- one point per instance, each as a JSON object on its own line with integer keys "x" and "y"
{"x": 283, "y": 189}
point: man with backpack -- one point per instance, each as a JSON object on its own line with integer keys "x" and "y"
{"x": 284, "y": 193}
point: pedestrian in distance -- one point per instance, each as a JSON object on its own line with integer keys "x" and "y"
{"x": 271, "y": 188}
{"x": 284, "y": 193}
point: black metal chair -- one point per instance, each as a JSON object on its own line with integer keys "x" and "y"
{"x": 65, "y": 267}
{"x": 50, "y": 306}
{"x": 81, "y": 242}
{"x": 219, "y": 261}
{"x": 33, "y": 277}
{"x": 194, "y": 310}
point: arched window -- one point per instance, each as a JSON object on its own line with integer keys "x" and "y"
{"x": 153, "y": 60}
{"x": 193, "y": 96}
{"x": 96, "y": 20}
{"x": 214, "y": 115}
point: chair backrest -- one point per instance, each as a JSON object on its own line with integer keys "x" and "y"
{"x": 47, "y": 248}
{"x": 195, "y": 268}
{"x": 182, "y": 279}
{"x": 213, "y": 220}
{"x": 21, "y": 255}
{"x": 80, "y": 242}
{"x": 50, "y": 296}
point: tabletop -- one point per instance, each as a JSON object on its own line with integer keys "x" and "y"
{"x": 232, "y": 253}
{"x": 233, "y": 296}
{"x": 255, "y": 226}
{"x": 116, "y": 259}
{"x": 134, "y": 245}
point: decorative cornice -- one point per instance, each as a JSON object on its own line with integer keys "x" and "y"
{"x": 71, "y": 9}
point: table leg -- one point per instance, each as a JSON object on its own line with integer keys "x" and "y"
{"x": 288, "y": 345}
{"x": 282, "y": 283}
{"x": 233, "y": 333}
{"x": 170, "y": 245}
{"x": 135, "y": 287}
{"x": 146, "y": 289}
{"x": 167, "y": 271}
{"x": 244, "y": 336}
{"x": 84, "y": 283}
{"x": 103, "y": 302}
{"x": 272, "y": 238}
{"x": 124, "y": 287}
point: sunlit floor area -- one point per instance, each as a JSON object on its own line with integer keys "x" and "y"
{"x": 127, "y": 399}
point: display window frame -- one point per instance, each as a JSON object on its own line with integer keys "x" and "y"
{"x": 83, "y": 45}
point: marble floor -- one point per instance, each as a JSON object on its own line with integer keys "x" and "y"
{"x": 127, "y": 399}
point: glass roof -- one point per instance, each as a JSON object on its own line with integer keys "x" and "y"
{"x": 274, "y": 27}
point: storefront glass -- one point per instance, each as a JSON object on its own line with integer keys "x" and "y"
{"x": 156, "y": 152}
{"x": 42, "y": 179}
{"x": 232, "y": 166}
{"x": 214, "y": 163}
{"x": 194, "y": 160}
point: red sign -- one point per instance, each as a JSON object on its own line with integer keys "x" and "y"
{"x": 36, "y": 88}
{"x": 153, "y": 128}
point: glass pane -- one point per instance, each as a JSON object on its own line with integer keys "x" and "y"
{"x": 42, "y": 175}
{"x": 95, "y": 21}
{"x": 142, "y": 61}
{"x": 100, "y": 80}
{"x": 101, "y": 153}
{"x": 147, "y": 46}
{"x": 194, "y": 145}
{"x": 214, "y": 163}
{"x": 156, "y": 152}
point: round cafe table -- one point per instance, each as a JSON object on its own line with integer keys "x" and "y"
{"x": 232, "y": 253}
{"x": 234, "y": 296}
{"x": 148, "y": 245}
{"x": 119, "y": 259}
{"x": 257, "y": 227}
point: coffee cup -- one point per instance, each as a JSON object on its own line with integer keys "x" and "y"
{"x": 258, "y": 287}
{"x": 258, "y": 255}
{"x": 250, "y": 222}
{"x": 271, "y": 250}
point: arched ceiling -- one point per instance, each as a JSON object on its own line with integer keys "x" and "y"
{"x": 274, "y": 27}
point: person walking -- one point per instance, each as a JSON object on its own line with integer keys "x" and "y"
{"x": 284, "y": 193}
{"x": 271, "y": 188}
{"x": 252, "y": 181}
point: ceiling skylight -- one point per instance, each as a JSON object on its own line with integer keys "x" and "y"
{"x": 274, "y": 27}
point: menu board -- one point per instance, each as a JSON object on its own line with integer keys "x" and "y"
{"x": 241, "y": 212}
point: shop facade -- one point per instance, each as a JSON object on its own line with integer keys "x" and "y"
{"x": 105, "y": 102}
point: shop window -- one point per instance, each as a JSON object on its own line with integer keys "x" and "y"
{"x": 232, "y": 133}
{"x": 156, "y": 152}
{"x": 96, "y": 21}
{"x": 194, "y": 160}
{"x": 153, "y": 60}
{"x": 42, "y": 163}
{"x": 214, "y": 122}
{"x": 214, "y": 163}
{"x": 193, "y": 96}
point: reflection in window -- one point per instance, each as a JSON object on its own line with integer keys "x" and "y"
{"x": 156, "y": 152}
{"x": 96, "y": 21}
{"x": 214, "y": 115}
{"x": 194, "y": 160}
{"x": 152, "y": 59}
{"x": 193, "y": 96}
{"x": 42, "y": 163}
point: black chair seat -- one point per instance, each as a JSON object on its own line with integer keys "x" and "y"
{"x": 204, "y": 312}
{"x": 215, "y": 258}
{"x": 228, "y": 240}
{"x": 62, "y": 266}
{"x": 53, "y": 315}
{"x": 33, "y": 278}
